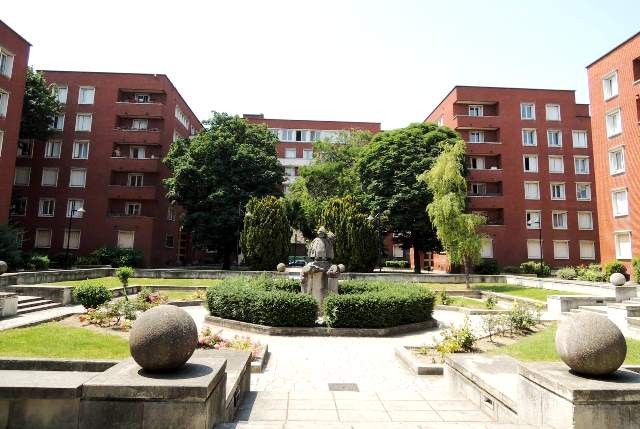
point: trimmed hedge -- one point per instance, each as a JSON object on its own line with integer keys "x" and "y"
{"x": 395, "y": 263}
{"x": 263, "y": 301}
{"x": 361, "y": 304}
{"x": 91, "y": 294}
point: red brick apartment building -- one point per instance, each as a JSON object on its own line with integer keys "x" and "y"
{"x": 614, "y": 91}
{"x": 14, "y": 57}
{"x": 529, "y": 156}
{"x": 297, "y": 136}
{"x": 106, "y": 159}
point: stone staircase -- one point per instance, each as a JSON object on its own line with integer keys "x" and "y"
{"x": 29, "y": 304}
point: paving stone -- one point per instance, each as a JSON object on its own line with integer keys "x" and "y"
{"x": 414, "y": 416}
{"x": 464, "y": 416}
{"x": 354, "y": 404}
{"x": 386, "y": 425}
{"x": 407, "y": 406}
{"x": 361, "y": 396}
{"x": 261, "y": 414}
{"x": 268, "y": 394}
{"x": 453, "y": 406}
{"x": 312, "y": 404}
{"x": 316, "y": 425}
{"x": 363, "y": 415}
{"x": 313, "y": 415}
{"x": 400, "y": 396}
{"x": 273, "y": 404}
{"x": 310, "y": 395}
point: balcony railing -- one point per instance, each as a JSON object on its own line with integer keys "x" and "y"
{"x": 134, "y": 165}
{"x": 134, "y": 136}
{"x": 476, "y": 122}
{"x": 140, "y": 110}
{"x": 118, "y": 192}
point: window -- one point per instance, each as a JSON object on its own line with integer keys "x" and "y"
{"x": 133, "y": 209}
{"x": 531, "y": 190}
{"x": 74, "y": 205}
{"x": 47, "y": 207}
{"x": 49, "y": 177}
{"x": 182, "y": 118}
{"x": 610, "y": 85}
{"x": 135, "y": 179}
{"x": 285, "y": 188}
{"x": 301, "y": 136}
{"x": 560, "y": 249}
{"x": 86, "y": 95}
{"x": 4, "y": 103}
{"x": 287, "y": 135}
{"x": 486, "y": 251}
{"x": 71, "y": 239}
{"x": 553, "y": 112}
{"x": 554, "y": 138}
{"x": 176, "y": 136}
{"x": 83, "y": 122}
{"x": 22, "y": 176}
{"x": 80, "y": 149}
{"x": 290, "y": 171}
{"x": 533, "y": 219}
{"x": 619, "y": 201}
{"x": 579, "y": 138}
{"x": 19, "y": 206}
{"x": 307, "y": 153}
{"x": 61, "y": 93}
{"x": 556, "y": 164}
{"x": 6, "y": 63}
{"x": 126, "y": 239}
{"x": 581, "y": 164}
{"x": 534, "y": 249}
{"x": 530, "y": 163}
{"x": 142, "y": 98}
{"x": 43, "y": 238}
{"x": 623, "y": 244}
{"x": 475, "y": 110}
{"x": 616, "y": 160}
{"x": 476, "y": 136}
{"x": 58, "y": 122}
{"x": 137, "y": 152}
{"x": 440, "y": 121}
{"x": 168, "y": 241}
{"x": 613, "y": 122}
{"x": 290, "y": 153}
{"x": 25, "y": 148}
{"x": 52, "y": 149}
{"x": 583, "y": 191}
{"x": 527, "y": 111}
{"x": 315, "y": 135}
{"x": 78, "y": 178}
{"x": 171, "y": 213}
{"x": 478, "y": 189}
{"x": 557, "y": 191}
{"x": 398, "y": 252}
{"x": 587, "y": 249}
{"x": 585, "y": 220}
{"x": 139, "y": 124}
{"x": 476, "y": 162}
{"x": 529, "y": 137}
{"x": 559, "y": 219}
{"x": 19, "y": 237}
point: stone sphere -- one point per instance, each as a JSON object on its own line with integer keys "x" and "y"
{"x": 281, "y": 267}
{"x": 3, "y": 267}
{"x": 163, "y": 338}
{"x": 341, "y": 268}
{"x": 591, "y": 344}
{"x": 617, "y": 279}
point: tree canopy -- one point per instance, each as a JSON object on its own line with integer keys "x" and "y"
{"x": 266, "y": 234}
{"x": 388, "y": 171}
{"x": 215, "y": 173}
{"x": 39, "y": 108}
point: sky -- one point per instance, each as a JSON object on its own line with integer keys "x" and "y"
{"x": 381, "y": 61}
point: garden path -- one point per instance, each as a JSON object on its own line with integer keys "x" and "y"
{"x": 28, "y": 319}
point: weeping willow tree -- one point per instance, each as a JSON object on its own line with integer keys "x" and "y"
{"x": 457, "y": 230}
{"x": 357, "y": 241}
{"x": 266, "y": 235}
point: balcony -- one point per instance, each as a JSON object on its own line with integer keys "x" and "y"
{"x": 485, "y": 175}
{"x": 466, "y": 122}
{"x": 138, "y": 137}
{"x": 116, "y": 192}
{"x": 139, "y": 110}
{"x": 134, "y": 165}
{"x": 486, "y": 201}
{"x": 130, "y": 223}
{"x": 484, "y": 148}
{"x": 294, "y": 162}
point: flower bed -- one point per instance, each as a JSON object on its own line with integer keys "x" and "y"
{"x": 214, "y": 340}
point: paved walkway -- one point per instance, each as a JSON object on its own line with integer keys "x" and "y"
{"x": 36, "y": 317}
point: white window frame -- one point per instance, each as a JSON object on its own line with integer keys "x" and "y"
{"x": 529, "y": 219}
{"x": 585, "y": 213}
{"x": 479, "y": 186}
{"x": 140, "y": 124}
{"x": 615, "y": 205}
{"x": 4, "y": 103}
{"x": 529, "y": 182}
{"x": 552, "y": 105}
{"x": 125, "y": 232}
{"x": 307, "y": 154}
{"x": 48, "y": 149}
{"x": 9, "y": 59}
{"x": 588, "y": 184}
{"x": 290, "y": 150}
{"x": 15, "y": 176}
{"x": 486, "y": 249}
{"x": 21, "y": 144}
{"x": 592, "y": 244}
{"x": 612, "y": 152}
{"x": 71, "y": 171}
{"x": 556, "y": 253}
{"x": 479, "y": 136}
{"x": 576, "y": 162}
{"x": 83, "y": 90}
{"x": 1, "y": 141}
{"x": 556, "y": 157}
{"x": 68, "y": 237}
{"x": 559, "y": 214}
{"x": 136, "y": 208}
{"x": 51, "y": 169}
{"x": 564, "y": 191}
{"x": 479, "y": 108}
{"x": 75, "y": 204}
{"x": 530, "y": 131}
{"x": 576, "y": 138}
{"x": 530, "y": 156}
{"x": 616, "y": 239}
{"x": 617, "y": 131}
{"x": 75, "y": 151}
{"x": 171, "y": 213}
{"x": 554, "y": 132}
{"x": 137, "y": 152}
{"x": 290, "y": 171}
{"x": 610, "y": 85}
{"x": 78, "y": 122}
{"x": 24, "y": 211}
{"x": 58, "y": 122}
{"x": 132, "y": 177}
{"x": 533, "y": 111}
{"x": 61, "y": 95}
{"x": 50, "y": 203}
{"x": 36, "y": 242}
{"x": 534, "y": 243}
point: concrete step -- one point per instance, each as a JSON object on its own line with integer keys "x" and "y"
{"x": 598, "y": 309}
{"x": 33, "y": 303}
{"x": 39, "y": 307}
{"x": 27, "y": 298}
{"x": 633, "y": 322}
{"x": 632, "y": 308}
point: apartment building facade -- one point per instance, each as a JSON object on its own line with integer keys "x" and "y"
{"x": 614, "y": 92}
{"x": 530, "y": 171}
{"x": 101, "y": 172}
{"x": 14, "y": 59}
{"x": 295, "y": 148}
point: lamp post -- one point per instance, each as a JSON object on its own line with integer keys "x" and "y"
{"x": 539, "y": 223}
{"x": 371, "y": 218}
{"x": 72, "y": 213}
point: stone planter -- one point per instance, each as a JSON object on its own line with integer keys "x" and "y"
{"x": 625, "y": 293}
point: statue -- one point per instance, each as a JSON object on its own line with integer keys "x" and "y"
{"x": 320, "y": 276}
{"x": 321, "y": 248}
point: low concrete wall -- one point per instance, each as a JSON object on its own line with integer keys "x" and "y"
{"x": 557, "y": 304}
{"x": 173, "y": 273}
{"x": 51, "y": 276}
{"x": 423, "y": 278}
{"x": 577, "y": 286}
{"x": 61, "y": 294}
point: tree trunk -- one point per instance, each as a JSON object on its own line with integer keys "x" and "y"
{"x": 226, "y": 259}
{"x": 416, "y": 258}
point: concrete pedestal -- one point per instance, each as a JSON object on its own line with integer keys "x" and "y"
{"x": 8, "y": 304}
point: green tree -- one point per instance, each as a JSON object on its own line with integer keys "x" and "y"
{"x": 39, "y": 108}
{"x": 457, "y": 230}
{"x": 303, "y": 211}
{"x": 357, "y": 241}
{"x": 389, "y": 170}
{"x": 9, "y": 249}
{"x": 215, "y": 173}
{"x": 266, "y": 234}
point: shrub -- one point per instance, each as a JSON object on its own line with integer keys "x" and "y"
{"x": 9, "y": 248}
{"x": 491, "y": 302}
{"x": 457, "y": 340}
{"x": 361, "y": 304}
{"x": 614, "y": 267}
{"x": 567, "y": 273}
{"x": 591, "y": 273}
{"x": 510, "y": 269}
{"x": 117, "y": 257}
{"x": 535, "y": 267}
{"x": 260, "y": 301}
{"x": 492, "y": 325}
{"x": 487, "y": 267}
{"x": 123, "y": 274}
{"x": 522, "y": 318}
{"x": 396, "y": 263}
{"x": 444, "y": 297}
{"x": 91, "y": 294}
{"x": 39, "y": 262}
{"x": 635, "y": 263}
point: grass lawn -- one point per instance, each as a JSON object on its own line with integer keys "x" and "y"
{"x": 113, "y": 282}
{"x": 437, "y": 287}
{"x": 461, "y": 301}
{"x": 57, "y": 341}
{"x": 520, "y": 291}
{"x": 541, "y": 347}
{"x": 178, "y": 295}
